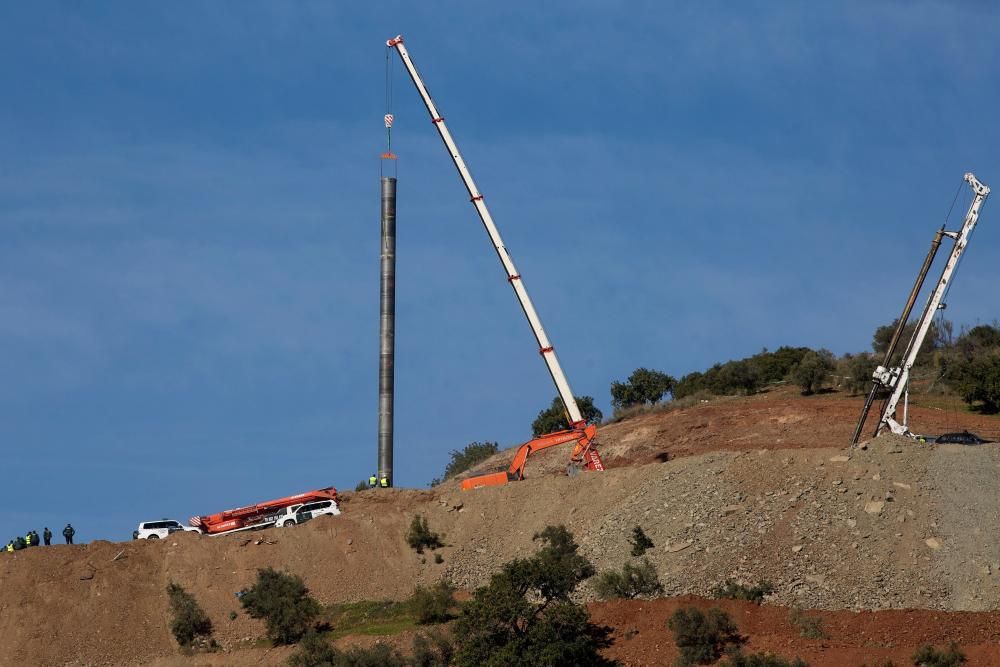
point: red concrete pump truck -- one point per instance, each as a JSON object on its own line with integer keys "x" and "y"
{"x": 261, "y": 515}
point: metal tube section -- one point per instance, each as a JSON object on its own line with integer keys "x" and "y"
{"x": 897, "y": 334}
{"x": 914, "y": 293}
{"x": 387, "y": 330}
{"x": 544, "y": 346}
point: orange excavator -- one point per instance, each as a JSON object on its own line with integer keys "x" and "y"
{"x": 584, "y": 455}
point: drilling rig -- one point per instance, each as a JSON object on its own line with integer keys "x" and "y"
{"x": 895, "y": 379}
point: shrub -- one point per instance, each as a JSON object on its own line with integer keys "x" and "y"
{"x": 856, "y": 372}
{"x": 553, "y": 418}
{"x": 464, "y": 459}
{"x": 812, "y": 371}
{"x": 689, "y": 385}
{"x": 883, "y": 336}
{"x": 188, "y": 620}
{"x": 739, "y": 377}
{"x": 361, "y": 486}
{"x": 701, "y": 638}
{"x": 810, "y": 627}
{"x": 734, "y": 591}
{"x": 928, "y": 656}
{"x": 420, "y": 536}
{"x": 283, "y": 601}
{"x": 643, "y": 387}
{"x": 978, "y": 339}
{"x": 314, "y": 651}
{"x": 775, "y": 366}
{"x": 738, "y": 658}
{"x": 432, "y": 650}
{"x": 525, "y": 616}
{"x": 640, "y": 541}
{"x": 632, "y": 581}
{"x": 438, "y": 558}
{"x": 743, "y": 376}
{"x": 976, "y": 379}
{"x": 433, "y": 604}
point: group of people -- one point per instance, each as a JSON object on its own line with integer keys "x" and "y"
{"x": 375, "y": 482}
{"x": 31, "y": 539}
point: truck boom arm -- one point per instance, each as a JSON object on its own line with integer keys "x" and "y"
{"x": 258, "y": 514}
{"x": 545, "y": 347}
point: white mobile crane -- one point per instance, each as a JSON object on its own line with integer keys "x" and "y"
{"x": 579, "y": 432}
{"x": 896, "y": 378}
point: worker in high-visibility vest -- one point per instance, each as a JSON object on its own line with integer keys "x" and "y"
{"x": 27, "y": 538}
{"x": 372, "y": 481}
{"x": 384, "y": 482}
{"x": 10, "y": 547}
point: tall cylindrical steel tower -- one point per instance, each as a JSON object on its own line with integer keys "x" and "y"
{"x": 387, "y": 330}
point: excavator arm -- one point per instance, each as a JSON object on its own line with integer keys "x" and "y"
{"x": 584, "y": 455}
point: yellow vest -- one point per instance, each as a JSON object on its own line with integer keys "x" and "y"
{"x": 384, "y": 483}
{"x": 10, "y": 548}
{"x": 27, "y": 539}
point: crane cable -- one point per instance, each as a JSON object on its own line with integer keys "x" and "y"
{"x": 954, "y": 415}
{"x": 947, "y": 289}
{"x": 388, "y": 117}
{"x": 955, "y": 412}
{"x": 939, "y": 314}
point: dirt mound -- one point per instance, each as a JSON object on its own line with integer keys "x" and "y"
{"x": 779, "y": 419}
{"x": 110, "y": 600}
{"x": 896, "y": 525}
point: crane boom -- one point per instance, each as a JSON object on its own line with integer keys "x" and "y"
{"x": 897, "y": 378}
{"x": 545, "y": 347}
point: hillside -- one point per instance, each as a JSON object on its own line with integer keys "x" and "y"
{"x": 757, "y": 488}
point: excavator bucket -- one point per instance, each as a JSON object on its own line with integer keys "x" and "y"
{"x": 494, "y": 479}
{"x": 592, "y": 460}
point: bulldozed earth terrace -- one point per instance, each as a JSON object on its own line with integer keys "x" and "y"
{"x": 895, "y": 543}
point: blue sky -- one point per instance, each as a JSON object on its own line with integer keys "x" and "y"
{"x": 189, "y": 216}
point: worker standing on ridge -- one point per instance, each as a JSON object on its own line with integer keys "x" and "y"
{"x": 372, "y": 481}
{"x": 384, "y": 482}
{"x": 27, "y": 537}
{"x": 68, "y": 533}
{"x": 47, "y": 536}
{"x": 10, "y": 547}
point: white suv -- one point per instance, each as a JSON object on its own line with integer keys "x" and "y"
{"x": 302, "y": 513}
{"x": 154, "y": 530}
